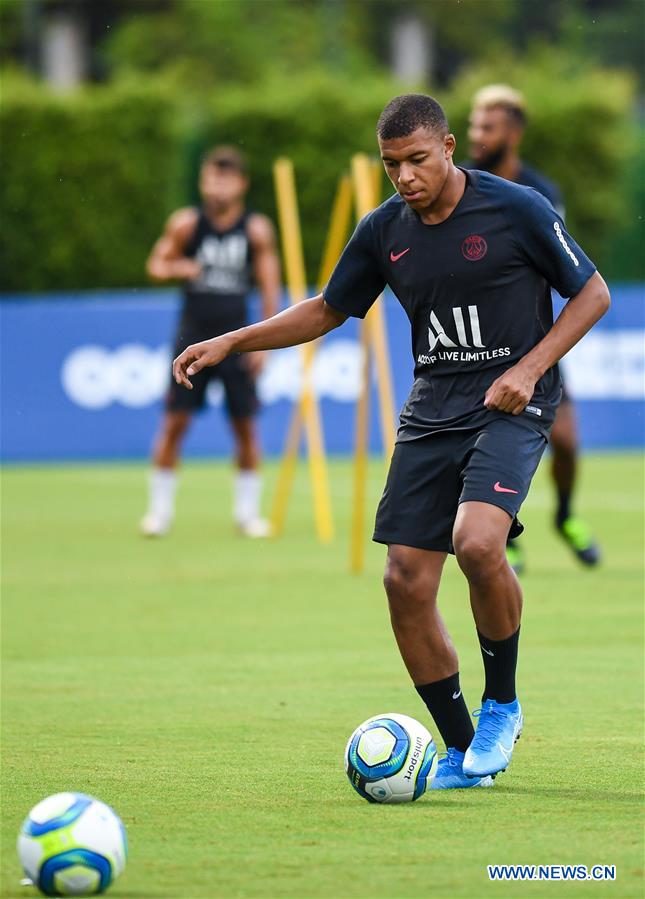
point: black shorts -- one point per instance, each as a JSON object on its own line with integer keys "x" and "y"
{"x": 429, "y": 478}
{"x": 234, "y": 373}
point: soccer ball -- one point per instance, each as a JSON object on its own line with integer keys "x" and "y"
{"x": 72, "y": 845}
{"x": 391, "y": 758}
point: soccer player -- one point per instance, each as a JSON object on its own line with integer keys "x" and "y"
{"x": 216, "y": 251}
{"x": 497, "y": 124}
{"x": 471, "y": 258}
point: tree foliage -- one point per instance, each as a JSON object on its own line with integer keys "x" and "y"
{"x": 89, "y": 178}
{"x": 87, "y": 181}
{"x": 206, "y": 45}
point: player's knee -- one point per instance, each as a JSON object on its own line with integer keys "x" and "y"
{"x": 564, "y": 434}
{"x": 403, "y": 585}
{"x": 479, "y": 554}
{"x": 244, "y": 432}
{"x": 175, "y": 426}
{"x": 564, "y": 442}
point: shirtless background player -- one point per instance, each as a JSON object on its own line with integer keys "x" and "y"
{"x": 217, "y": 251}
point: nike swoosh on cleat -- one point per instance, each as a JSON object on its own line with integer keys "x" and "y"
{"x": 506, "y": 752}
{"x": 456, "y": 695}
{"x": 394, "y": 257}
{"x": 487, "y": 651}
{"x": 497, "y": 487}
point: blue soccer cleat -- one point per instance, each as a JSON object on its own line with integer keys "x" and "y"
{"x": 450, "y": 774}
{"x": 498, "y": 730}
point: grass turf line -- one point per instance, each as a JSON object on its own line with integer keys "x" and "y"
{"x": 205, "y": 686}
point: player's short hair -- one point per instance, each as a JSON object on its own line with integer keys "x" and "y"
{"x": 502, "y": 96}
{"x": 406, "y": 113}
{"x": 227, "y": 158}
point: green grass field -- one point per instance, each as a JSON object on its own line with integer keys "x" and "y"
{"x": 205, "y": 686}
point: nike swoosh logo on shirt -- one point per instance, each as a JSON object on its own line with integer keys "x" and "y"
{"x": 497, "y": 487}
{"x": 394, "y": 257}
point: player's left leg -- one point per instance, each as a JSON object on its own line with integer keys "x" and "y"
{"x": 247, "y": 486}
{"x": 496, "y": 477}
{"x": 564, "y": 458}
{"x": 242, "y": 408}
{"x": 411, "y": 581}
{"x": 479, "y": 539}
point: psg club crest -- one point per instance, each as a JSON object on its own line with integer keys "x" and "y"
{"x": 474, "y": 248}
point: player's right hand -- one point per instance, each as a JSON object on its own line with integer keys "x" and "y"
{"x": 188, "y": 270}
{"x": 198, "y": 356}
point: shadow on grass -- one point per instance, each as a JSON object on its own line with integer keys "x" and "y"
{"x": 577, "y": 795}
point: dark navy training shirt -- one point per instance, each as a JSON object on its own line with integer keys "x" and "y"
{"x": 530, "y": 177}
{"x": 475, "y": 288}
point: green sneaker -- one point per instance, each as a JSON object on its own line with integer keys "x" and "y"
{"x": 578, "y": 537}
{"x": 515, "y": 556}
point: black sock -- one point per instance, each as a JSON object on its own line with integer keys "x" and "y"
{"x": 445, "y": 703}
{"x": 564, "y": 506}
{"x": 500, "y": 662}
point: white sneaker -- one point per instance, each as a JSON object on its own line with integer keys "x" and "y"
{"x": 154, "y": 526}
{"x": 255, "y": 528}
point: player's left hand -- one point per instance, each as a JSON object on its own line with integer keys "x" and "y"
{"x": 511, "y": 391}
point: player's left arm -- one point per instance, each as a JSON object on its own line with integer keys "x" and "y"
{"x": 514, "y": 389}
{"x": 266, "y": 271}
{"x": 548, "y": 248}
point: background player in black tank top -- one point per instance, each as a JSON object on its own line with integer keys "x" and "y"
{"x": 217, "y": 252}
{"x": 497, "y": 124}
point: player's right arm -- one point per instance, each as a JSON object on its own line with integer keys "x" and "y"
{"x": 354, "y": 285}
{"x": 301, "y": 323}
{"x": 167, "y": 260}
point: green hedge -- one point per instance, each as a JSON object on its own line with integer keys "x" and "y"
{"x": 319, "y": 122}
{"x": 580, "y": 133}
{"x": 86, "y": 183}
{"x": 89, "y": 179}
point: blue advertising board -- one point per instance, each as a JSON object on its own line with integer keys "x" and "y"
{"x": 84, "y": 376}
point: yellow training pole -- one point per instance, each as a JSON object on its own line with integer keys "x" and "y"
{"x": 341, "y": 216}
{"x": 364, "y": 177}
{"x": 365, "y": 174}
{"x": 336, "y": 237}
{"x": 359, "y": 497}
{"x": 377, "y": 178}
{"x": 363, "y": 181}
{"x": 384, "y": 382}
{"x": 296, "y": 280}
{"x": 286, "y": 473}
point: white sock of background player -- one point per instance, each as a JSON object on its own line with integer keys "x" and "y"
{"x": 162, "y": 486}
{"x": 247, "y": 487}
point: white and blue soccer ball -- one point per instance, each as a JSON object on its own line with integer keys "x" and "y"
{"x": 71, "y": 844}
{"x": 391, "y": 758}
